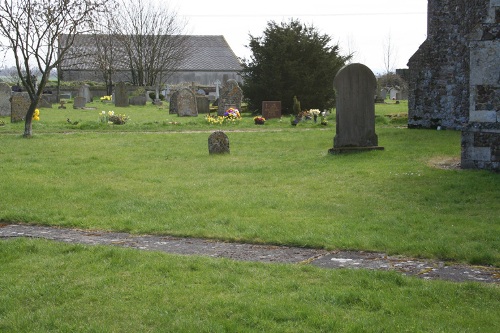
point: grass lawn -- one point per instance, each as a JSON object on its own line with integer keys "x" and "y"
{"x": 277, "y": 186}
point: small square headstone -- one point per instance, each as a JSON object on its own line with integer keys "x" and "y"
{"x": 271, "y": 109}
{"x": 79, "y": 102}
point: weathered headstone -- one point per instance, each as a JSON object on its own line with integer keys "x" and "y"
{"x": 271, "y": 109}
{"x": 44, "y": 103}
{"x": 84, "y": 91}
{"x": 79, "y": 102}
{"x": 218, "y": 143}
{"x": 138, "y": 100}
{"x": 5, "y": 94}
{"x": 173, "y": 103}
{"x": 186, "y": 103}
{"x": 121, "y": 95}
{"x": 203, "y": 104}
{"x": 20, "y": 104}
{"x": 355, "y": 86}
{"x": 231, "y": 95}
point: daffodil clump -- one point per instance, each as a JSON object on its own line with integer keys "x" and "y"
{"x": 231, "y": 116}
{"x": 214, "y": 120}
{"x": 36, "y": 115}
{"x": 111, "y": 118}
{"x": 106, "y": 98}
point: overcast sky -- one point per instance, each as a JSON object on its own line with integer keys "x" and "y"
{"x": 360, "y": 26}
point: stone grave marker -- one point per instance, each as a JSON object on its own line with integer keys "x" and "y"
{"x": 20, "y": 104}
{"x": 121, "y": 95}
{"x": 84, "y": 91}
{"x": 186, "y": 103}
{"x": 355, "y": 85}
{"x": 231, "y": 95}
{"x": 218, "y": 143}
{"x": 203, "y": 104}
{"x": 44, "y": 103}
{"x": 271, "y": 109}
{"x": 173, "y": 102}
{"x": 5, "y": 94}
{"x": 138, "y": 100}
{"x": 79, "y": 102}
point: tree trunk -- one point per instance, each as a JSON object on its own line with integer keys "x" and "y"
{"x": 28, "y": 121}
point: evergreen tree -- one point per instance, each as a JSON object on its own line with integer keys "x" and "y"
{"x": 291, "y": 59}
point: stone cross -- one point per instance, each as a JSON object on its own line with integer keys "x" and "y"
{"x": 355, "y": 85}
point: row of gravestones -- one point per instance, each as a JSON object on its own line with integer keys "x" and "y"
{"x": 355, "y": 85}
{"x": 185, "y": 103}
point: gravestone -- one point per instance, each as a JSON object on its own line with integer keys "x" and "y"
{"x": 138, "y": 100}
{"x": 44, "y": 103}
{"x": 231, "y": 95}
{"x": 218, "y": 143}
{"x": 84, "y": 91}
{"x": 355, "y": 86}
{"x": 121, "y": 95}
{"x": 79, "y": 102}
{"x": 20, "y": 104}
{"x": 271, "y": 109}
{"x": 173, "y": 103}
{"x": 203, "y": 104}
{"x": 5, "y": 94}
{"x": 186, "y": 103}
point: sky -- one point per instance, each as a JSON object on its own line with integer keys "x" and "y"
{"x": 359, "y": 26}
{"x": 362, "y": 27}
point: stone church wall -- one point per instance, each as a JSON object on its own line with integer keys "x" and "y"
{"x": 439, "y": 70}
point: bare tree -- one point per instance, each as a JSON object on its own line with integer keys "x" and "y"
{"x": 153, "y": 38}
{"x": 32, "y": 29}
{"x": 390, "y": 54}
{"x": 106, "y": 54}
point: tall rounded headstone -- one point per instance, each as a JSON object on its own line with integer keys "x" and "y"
{"x": 355, "y": 86}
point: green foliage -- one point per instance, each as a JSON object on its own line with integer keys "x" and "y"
{"x": 296, "y": 106}
{"x": 291, "y": 59}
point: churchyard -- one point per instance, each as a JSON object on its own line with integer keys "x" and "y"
{"x": 277, "y": 186}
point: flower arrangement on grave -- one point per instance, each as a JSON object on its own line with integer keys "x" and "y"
{"x": 36, "y": 115}
{"x": 106, "y": 98}
{"x": 111, "y": 118}
{"x": 232, "y": 113}
{"x": 324, "y": 121}
{"x": 259, "y": 120}
{"x": 314, "y": 113}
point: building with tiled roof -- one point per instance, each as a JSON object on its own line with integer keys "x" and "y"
{"x": 209, "y": 58}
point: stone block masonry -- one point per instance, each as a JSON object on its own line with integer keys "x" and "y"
{"x": 439, "y": 71}
{"x": 481, "y": 136}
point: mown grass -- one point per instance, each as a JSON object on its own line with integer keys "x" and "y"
{"x": 279, "y": 186}
{"x": 54, "y": 287}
